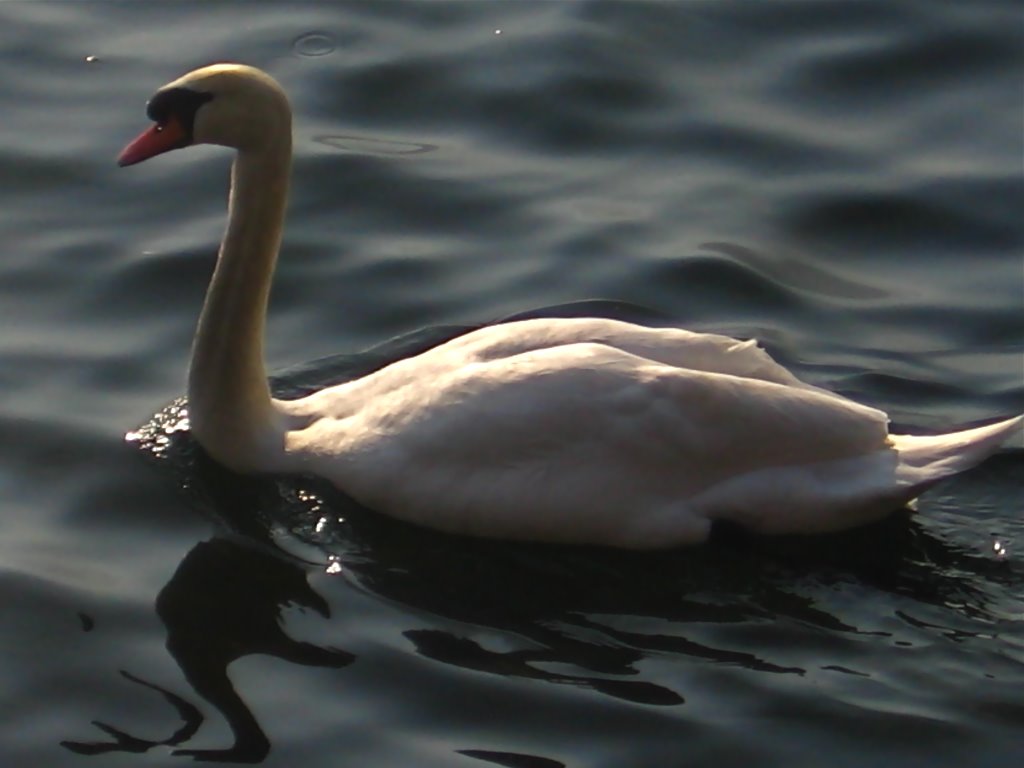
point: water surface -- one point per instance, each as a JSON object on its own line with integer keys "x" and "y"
{"x": 840, "y": 180}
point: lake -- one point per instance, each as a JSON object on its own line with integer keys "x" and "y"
{"x": 842, "y": 181}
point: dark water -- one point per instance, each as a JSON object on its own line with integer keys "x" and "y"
{"x": 842, "y": 180}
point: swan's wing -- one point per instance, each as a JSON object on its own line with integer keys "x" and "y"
{"x": 576, "y": 442}
{"x": 669, "y": 346}
{"x": 673, "y": 347}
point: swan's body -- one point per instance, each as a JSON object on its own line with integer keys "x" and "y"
{"x": 574, "y": 430}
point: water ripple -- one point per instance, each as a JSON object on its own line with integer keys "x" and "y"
{"x": 839, "y": 179}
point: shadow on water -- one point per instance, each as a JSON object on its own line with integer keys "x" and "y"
{"x": 574, "y": 610}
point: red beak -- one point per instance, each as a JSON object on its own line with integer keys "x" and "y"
{"x": 155, "y": 140}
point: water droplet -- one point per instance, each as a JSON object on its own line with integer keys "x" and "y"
{"x": 314, "y": 44}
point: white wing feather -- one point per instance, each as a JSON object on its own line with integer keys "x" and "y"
{"x": 596, "y": 431}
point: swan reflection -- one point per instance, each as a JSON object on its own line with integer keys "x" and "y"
{"x": 223, "y": 603}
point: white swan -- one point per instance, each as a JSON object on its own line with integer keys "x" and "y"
{"x": 571, "y": 430}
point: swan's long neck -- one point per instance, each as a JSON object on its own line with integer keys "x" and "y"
{"x": 230, "y": 409}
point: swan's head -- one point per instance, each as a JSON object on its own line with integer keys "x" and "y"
{"x": 227, "y": 104}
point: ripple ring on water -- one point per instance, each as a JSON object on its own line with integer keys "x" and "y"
{"x": 314, "y": 44}
{"x": 369, "y": 145}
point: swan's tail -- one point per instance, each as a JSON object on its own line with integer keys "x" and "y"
{"x": 925, "y": 459}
